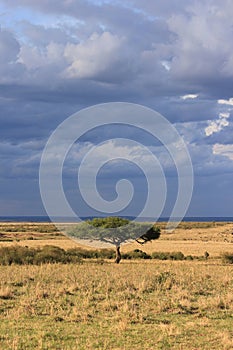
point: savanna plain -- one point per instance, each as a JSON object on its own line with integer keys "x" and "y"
{"x": 160, "y": 302}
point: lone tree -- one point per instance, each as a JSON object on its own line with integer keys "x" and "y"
{"x": 115, "y": 231}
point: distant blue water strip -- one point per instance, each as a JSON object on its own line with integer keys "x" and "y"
{"x": 46, "y": 219}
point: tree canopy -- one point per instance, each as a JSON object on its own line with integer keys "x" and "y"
{"x": 112, "y": 231}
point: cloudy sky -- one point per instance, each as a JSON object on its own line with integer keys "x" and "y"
{"x": 58, "y": 57}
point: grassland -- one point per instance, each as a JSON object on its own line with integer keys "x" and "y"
{"x": 192, "y": 238}
{"x": 96, "y": 304}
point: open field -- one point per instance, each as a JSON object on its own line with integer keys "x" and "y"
{"x": 142, "y": 305}
{"x": 134, "y": 305}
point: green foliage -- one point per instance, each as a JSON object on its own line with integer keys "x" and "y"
{"x": 109, "y": 222}
{"x": 113, "y": 230}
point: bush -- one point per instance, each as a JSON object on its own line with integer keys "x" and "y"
{"x": 227, "y": 258}
{"x": 136, "y": 254}
{"x": 16, "y": 255}
{"x": 160, "y": 255}
{"x": 23, "y": 255}
{"x": 90, "y": 254}
{"x": 107, "y": 254}
{"x": 177, "y": 256}
{"x": 80, "y": 253}
{"x": 168, "y": 256}
{"x": 189, "y": 257}
{"x": 50, "y": 254}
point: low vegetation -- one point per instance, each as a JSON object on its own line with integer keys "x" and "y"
{"x": 227, "y": 258}
{"x": 52, "y": 254}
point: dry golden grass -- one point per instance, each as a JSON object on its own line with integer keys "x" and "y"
{"x": 144, "y": 305}
{"x": 197, "y": 248}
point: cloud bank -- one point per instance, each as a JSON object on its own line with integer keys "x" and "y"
{"x": 58, "y": 57}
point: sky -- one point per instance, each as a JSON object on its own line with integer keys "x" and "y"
{"x": 58, "y": 57}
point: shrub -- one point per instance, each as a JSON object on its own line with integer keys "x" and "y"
{"x": 90, "y": 254}
{"x": 177, "y": 256}
{"x": 136, "y": 254}
{"x": 189, "y": 257}
{"x": 16, "y": 255}
{"x": 160, "y": 255}
{"x": 168, "y": 256}
{"x": 50, "y": 254}
{"x": 227, "y": 258}
{"x": 107, "y": 254}
{"x": 79, "y": 252}
{"x": 24, "y": 255}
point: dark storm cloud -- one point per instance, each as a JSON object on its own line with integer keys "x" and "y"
{"x": 9, "y": 47}
{"x": 159, "y": 51}
{"x": 67, "y": 55}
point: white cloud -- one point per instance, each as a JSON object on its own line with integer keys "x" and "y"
{"x": 223, "y": 150}
{"x": 34, "y": 57}
{"x": 217, "y": 125}
{"x": 226, "y": 102}
{"x": 166, "y": 65}
{"x": 189, "y": 96}
{"x": 119, "y": 149}
{"x": 93, "y": 56}
{"x": 224, "y": 115}
{"x": 201, "y": 50}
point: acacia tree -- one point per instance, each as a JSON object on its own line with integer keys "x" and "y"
{"x": 114, "y": 231}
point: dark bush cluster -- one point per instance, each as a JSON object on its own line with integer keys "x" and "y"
{"x": 136, "y": 254}
{"x": 49, "y": 254}
{"x": 168, "y": 256}
{"x": 91, "y": 253}
{"x": 227, "y": 258}
{"x": 52, "y": 254}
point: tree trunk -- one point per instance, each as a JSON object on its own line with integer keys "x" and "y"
{"x": 118, "y": 255}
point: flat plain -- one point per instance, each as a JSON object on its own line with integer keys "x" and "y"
{"x": 138, "y": 304}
